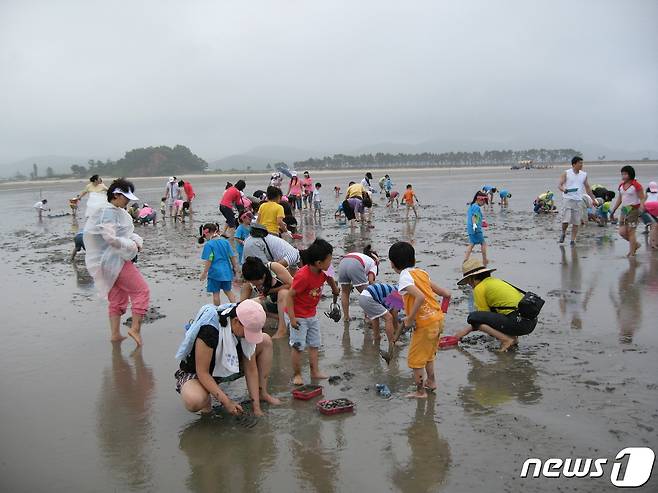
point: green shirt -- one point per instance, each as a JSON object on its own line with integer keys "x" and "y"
{"x": 493, "y": 292}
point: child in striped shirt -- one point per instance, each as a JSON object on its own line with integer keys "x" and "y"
{"x": 377, "y": 301}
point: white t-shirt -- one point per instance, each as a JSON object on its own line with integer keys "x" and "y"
{"x": 316, "y": 195}
{"x": 405, "y": 280}
{"x": 370, "y": 264}
{"x": 39, "y": 205}
{"x": 630, "y": 195}
{"x": 651, "y": 197}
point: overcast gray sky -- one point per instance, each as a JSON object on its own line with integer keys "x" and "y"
{"x": 96, "y": 78}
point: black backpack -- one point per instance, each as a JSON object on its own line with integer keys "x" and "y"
{"x": 529, "y": 307}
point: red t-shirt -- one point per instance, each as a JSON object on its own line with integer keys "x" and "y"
{"x": 189, "y": 191}
{"x": 231, "y": 196}
{"x": 308, "y": 287}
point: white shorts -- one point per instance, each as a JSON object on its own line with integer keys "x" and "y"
{"x": 572, "y": 212}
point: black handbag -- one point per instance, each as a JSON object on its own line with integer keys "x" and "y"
{"x": 529, "y": 306}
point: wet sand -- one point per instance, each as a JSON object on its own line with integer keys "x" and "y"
{"x": 81, "y": 414}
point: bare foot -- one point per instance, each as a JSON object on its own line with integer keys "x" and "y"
{"x": 505, "y": 345}
{"x": 430, "y": 387}
{"x": 417, "y": 395}
{"x": 319, "y": 376}
{"x": 270, "y": 399}
{"x": 386, "y": 356}
{"x": 136, "y": 337}
{"x": 279, "y": 335}
{"x": 298, "y": 380}
{"x": 117, "y": 338}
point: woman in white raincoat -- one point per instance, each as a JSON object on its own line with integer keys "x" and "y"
{"x": 111, "y": 245}
{"x": 97, "y": 191}
{"x": 226, "y": 341}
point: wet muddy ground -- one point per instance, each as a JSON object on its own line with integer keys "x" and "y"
{"x": 79, "y": 414}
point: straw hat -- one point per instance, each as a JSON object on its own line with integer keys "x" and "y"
{"x": 472, "y": 267}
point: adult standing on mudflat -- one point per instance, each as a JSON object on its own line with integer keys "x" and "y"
{"x": 112, "y": 245}
{"x": 188, "y": 190}
{"x": 97, "y": 195}
{"x": 172, "y": 194}
{"x": 573, "y": 185}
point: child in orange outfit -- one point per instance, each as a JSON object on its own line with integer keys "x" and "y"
{"x": 422, "y": 307}
{"x": 410, "y": 199}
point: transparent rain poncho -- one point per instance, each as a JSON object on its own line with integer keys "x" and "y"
{"x": 95, "y": 201}
{"x": 110, "y": 241}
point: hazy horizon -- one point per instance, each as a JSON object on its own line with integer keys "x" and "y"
{"x": 95, "y": 79}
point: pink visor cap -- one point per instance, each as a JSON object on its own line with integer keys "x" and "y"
{"x": 653, "y": 187}
{"x": 252, "y": 317}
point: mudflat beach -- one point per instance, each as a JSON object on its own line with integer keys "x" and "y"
{"x": 80, "y": 414}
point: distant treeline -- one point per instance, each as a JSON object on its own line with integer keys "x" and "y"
{"x": 430, "y": 159}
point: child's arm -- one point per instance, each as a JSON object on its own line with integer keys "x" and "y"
{"x": 416, "y": 197}
{"x": 419, "y": 299}
{"x": 616, "y": 206}
{"x": 443, "y": 292}
{"x": 206, "y": 268}
{"x": 290, "y": 303}
{"x": 335, "y": 290}
{"x": 282, "y": 225}
{"x": 474, "y": 222}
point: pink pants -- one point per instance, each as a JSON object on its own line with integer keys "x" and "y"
{"x": 129, "y": 285}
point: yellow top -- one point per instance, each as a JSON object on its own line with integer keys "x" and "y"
{"x": 95, "y": 188}
{"x": 355, "y": 191}
{"x": 268, "y": 215}
{"x": 429, "y": 312}
{"x": 492, "y": 292}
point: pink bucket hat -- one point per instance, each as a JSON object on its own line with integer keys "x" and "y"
{"x": 653, "y": 187}
{"x": 252, "y": 316}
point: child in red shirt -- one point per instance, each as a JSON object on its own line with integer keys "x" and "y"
{"x": 302, "y": 302}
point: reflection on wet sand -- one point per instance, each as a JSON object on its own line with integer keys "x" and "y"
{"x": 124, "y": 413}
{"x": 509, "y": 376}
{"x": 628, "y": 302}
{"x": 430, "y": 457}
{"x": 222, "y": 458}
{"x": 316, "y": 458}
{"x": 570, "y": 288}
{"x": 82, "y": 277}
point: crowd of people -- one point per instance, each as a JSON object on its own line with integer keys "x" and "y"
{"x": 255, "y": 251}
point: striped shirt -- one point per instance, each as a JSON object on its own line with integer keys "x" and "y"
{"x": 380, "y": 291}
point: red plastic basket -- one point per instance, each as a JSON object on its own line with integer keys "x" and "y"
{"x": 335, "y": 406}
{"x": 306, "y": 392}
{"x": 446, "y": 342}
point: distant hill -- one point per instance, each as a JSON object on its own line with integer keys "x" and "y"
{"x": 59, "y": 164}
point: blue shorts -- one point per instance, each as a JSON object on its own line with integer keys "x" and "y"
{"x": 79, "y": 242}
{"x": 215, "y": 286}
{"x": 476, "y": 238}
{"x": 306, "y": 334}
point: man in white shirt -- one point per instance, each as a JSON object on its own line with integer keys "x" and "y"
{"x": 40, "y": 207}
{"x": 573, "y": 185}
